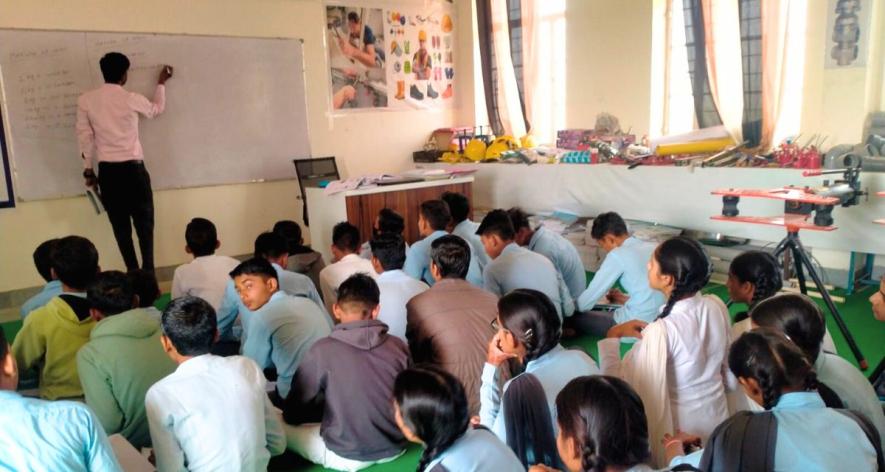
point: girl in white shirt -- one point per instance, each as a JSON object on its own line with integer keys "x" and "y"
{"x": 602, "y": 427}
{"x": 679, "y": 366}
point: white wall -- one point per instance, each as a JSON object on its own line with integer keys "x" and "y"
{"x": 364, "y": 142}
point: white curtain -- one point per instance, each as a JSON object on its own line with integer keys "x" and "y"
{"x": 543, "y": 71}
{"x": 509, "y": 107}
{"x": 783, "y": 66}
{"x": 725, "y": 70}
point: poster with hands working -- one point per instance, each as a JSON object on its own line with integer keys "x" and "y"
{"x": 391, "y": 59}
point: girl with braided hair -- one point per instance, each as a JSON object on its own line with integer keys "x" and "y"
{"x": 528, "y": 332}
{"x": 602, "y": 427}
{"x": 430, "y": 409}
{"x": 775, "y": 373}
{"x": 678, "y": 366}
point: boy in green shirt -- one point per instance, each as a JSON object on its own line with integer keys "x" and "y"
{"x": 122, "y": 359}
{"x": 53, "y": 334}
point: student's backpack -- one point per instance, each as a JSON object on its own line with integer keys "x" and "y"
{"x": 747, "y": 441}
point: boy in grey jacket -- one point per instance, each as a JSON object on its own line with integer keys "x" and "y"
{"x": 349, "y": 376}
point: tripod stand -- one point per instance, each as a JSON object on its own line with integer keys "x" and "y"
{"x": 801, "y": 259}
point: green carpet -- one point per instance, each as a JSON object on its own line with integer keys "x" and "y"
{"x": 868, "y": 333}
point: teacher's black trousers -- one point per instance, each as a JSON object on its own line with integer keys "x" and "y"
{"x": 127, "y": 197}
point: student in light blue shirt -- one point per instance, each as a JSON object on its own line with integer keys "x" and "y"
{"x": 514, "y": 267}
{"x": 528, "y": 331}
{"x": 464, "y": 227}
{"x": 52, "y": 289}
{"x": 801, "y": 319}
{"x": 37, "y": 434}
{"x": 282, "y": 327}
{"x": 430, "y": 409}
{"x": 273, "y": 248}
{"x": 777, "y": 375}
{"x": 627, "y": 261}
{"x": 561, "y": 252}
{"x": 433, "y": 218}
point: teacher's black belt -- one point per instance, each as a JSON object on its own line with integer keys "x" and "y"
{"x": 121, "y": 164}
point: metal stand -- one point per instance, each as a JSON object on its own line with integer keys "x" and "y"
{"x": 801, "y": 259}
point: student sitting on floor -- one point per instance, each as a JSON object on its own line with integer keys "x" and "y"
{"x": 561, "y": 252}
{"x": 387, "y": 222}
{"x": 448, "y": 325}
{"x": 282, "y": 327}
{"x": 145, "y": 286}
{"x": 464, "y": 227}
{"x": 433, "y": 218}
{"x": 345, "y": 247}
{"x": 36, "y": 434}
{"x": 804, "y": 434}
{"x": 302, "y": 259}
{"x": 52, "y": 289}
{"x": 397, "y": 288}
{"x": 204, "y": 276}
{"x": 514, "y": 267}
{"x": 678, "y": 367}
{"x": 602, "y": 427}
{"x": 212, "y": 413}
{"x": 348, "y": 377}
{"x": 529, "y": 331}
{"x": 431, "y": 410}
{"x": 627, "y": 260}
{"x": 52, "y": 335}
{"x": 755, "y": 276}
{"x": 122, "y": 359}
{"x": 802, "y": 321}
{"x": 271, "y": 247}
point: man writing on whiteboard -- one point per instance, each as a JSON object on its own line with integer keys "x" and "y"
{"x": 107, "y": 130}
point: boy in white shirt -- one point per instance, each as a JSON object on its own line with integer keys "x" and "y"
{"x": 345, "y": 254}
{"x": 212, "y": 413}
{"x": 397, "y": 287}
{"x": 205, "y": 276}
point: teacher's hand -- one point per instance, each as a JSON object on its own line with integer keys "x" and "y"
{"x": 91, "y": 179}
{"x": 165, "y": 74}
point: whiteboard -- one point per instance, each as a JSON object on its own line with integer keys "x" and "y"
{"x": 235, "y": 109}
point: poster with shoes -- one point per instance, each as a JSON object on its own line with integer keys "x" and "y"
{"x": 391, "y": 58}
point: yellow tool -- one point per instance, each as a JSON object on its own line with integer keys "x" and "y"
{"x": 500, "y": 146}
{"x": 697, "y": 147}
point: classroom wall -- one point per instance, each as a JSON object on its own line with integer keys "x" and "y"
{"x": 366, "y": 142}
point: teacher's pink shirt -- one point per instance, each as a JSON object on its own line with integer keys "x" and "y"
{"x": 107, "y": 122}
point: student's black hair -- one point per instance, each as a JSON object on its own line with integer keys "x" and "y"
{"x": 346, "y": 236}
{"x": 451, "y": 254}
{"x": 497, "y": 222}
{"x": 760, "y": 269}
{"x": 144, "y": 284}
{"x": 608, "y": 223}
{"x": 255, "y": 266}
{"x": 459, "y": 205}
{"x": 111, "y": 293}
{"x": 606, "y": 419}
{"x": 528, "y": 423}
{"x": 75, "y": 261}
{"x": 436, "y": 213}
{"x": 190, "y": 324}
{"x": 433, "y": 405}
{"x": 359, "y": 289}
{"x": 390, "y": 250}
{"x": 796, "y": 316}
{"x": 390, "y": 222}
{"x": 201, "y": 237}
{"x": 270, "y": 245}
{"x": 531, "y": 317}
{"x": 4, "y": 345}
{"x": 519, "y": 218}
{"x": 775, "y": 362}
{"x": 685, "y": 260}
{"x": 113, "y": 65}
{"x": 291, "y": 232}
{"x": 43, "y": 259}
{"x": 353, "y": 17}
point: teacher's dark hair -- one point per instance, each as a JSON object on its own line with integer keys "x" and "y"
{"x": 605, "y": 418}
{"x": 113, "y": 66}
{"x": 433, "y": 405}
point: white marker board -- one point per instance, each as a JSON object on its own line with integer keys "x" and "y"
{"x": 235, "y": 110}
